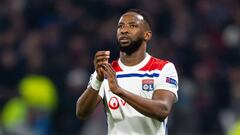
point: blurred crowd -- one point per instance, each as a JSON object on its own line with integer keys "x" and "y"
{"x": 47, "y": 48}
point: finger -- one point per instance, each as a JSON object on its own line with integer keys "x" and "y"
{"x": 100, "y": 64}
{"x": 99, "y": 71}
{"x": 107, "y": 68}
{"x": 102, "y": 58}
{"x": 105, "y": 72}
{"x": 111, "y": 68}
{"x": 102, "y": 53}
{"x": 99, "y": 54}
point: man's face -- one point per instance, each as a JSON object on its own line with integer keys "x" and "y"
{"x": 130, "y": 32}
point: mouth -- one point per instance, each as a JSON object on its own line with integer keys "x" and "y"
{"x": 124, "y": 40}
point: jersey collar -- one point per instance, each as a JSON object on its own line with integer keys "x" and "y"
{"x": 135, "y": 67}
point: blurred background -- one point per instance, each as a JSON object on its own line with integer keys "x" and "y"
{"x": 47, "y": 48}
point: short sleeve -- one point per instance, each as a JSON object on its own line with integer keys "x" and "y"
{"x": 168, "y": 79}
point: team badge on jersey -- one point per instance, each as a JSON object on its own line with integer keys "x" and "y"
{"x": 147, "y": 84}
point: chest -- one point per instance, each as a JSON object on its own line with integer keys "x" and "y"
{"x": 141, "y": 84}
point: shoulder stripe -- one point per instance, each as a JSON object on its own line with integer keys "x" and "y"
{"x": 153, "y": 64}
{"x": 116, "y": 66}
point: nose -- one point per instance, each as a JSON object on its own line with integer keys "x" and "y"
{"x": 124, "y": 30}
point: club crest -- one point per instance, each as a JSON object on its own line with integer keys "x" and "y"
{"x": 147, "y": 84}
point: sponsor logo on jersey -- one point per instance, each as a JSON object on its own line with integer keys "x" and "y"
{"x": 171, "y": 81}
{"x": 115, "y": 102}
{"x": 147, "y": 84}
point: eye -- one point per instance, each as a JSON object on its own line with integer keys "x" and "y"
{"x": 133, "y": 26}
{"x": 120, "y": 26}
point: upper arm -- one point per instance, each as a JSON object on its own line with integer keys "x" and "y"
{"x": 167, "y": 82}
{"x": 165, "y": 97}
{"x": 166, "y": 88}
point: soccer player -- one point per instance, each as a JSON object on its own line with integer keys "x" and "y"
{"x": 138, "y": 90}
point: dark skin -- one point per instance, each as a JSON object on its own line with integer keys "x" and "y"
{"x": 131, "y": 26}
{"x": 90, "y": 98}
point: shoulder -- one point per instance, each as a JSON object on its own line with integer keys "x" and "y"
{"x": 159, "y": 63}
{"x": 116, "y": 66}
{"x": 155, "y": 64}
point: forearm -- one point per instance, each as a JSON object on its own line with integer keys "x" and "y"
{"x": 86, "y": 103}
{"x": 90, "y": 98}
{"x": 157, "y": 109}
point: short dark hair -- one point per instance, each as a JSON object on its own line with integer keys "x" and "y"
{"x": 143, "y": 14}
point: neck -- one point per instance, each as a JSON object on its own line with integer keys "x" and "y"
{"x": 134, "y": 58}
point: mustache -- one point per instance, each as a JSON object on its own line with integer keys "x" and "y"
{"x": 134, "y": 46}
{"x": 122, "y": 36}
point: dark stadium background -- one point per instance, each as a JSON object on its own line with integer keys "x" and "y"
{"x": 47, "y": 47}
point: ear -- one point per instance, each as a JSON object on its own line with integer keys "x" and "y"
{"x": 147, "y": 35}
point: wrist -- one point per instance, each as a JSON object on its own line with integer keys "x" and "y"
{"x": 95, "y": 83}
{"x": 99, "y": 78}
{"x": 119, "y": 91}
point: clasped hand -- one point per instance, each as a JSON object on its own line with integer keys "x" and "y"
{"x": 110, "y": 73}
{"x": 103, "y": 68}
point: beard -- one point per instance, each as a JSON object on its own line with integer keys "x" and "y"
{"x": 132, "y": 47}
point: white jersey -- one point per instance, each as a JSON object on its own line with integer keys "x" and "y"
{"x": 142, "y": 79}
